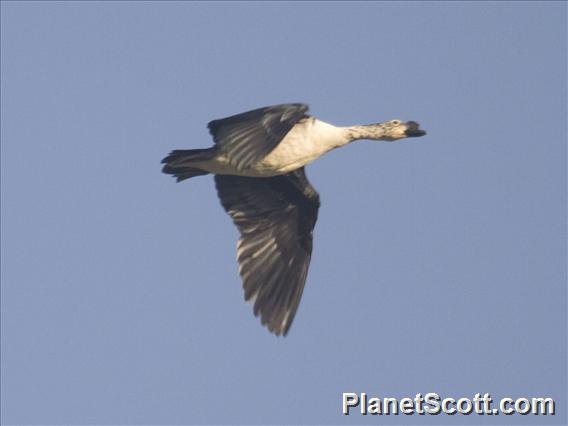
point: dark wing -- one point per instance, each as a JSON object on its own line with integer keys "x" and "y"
{"x": 276, "y": 217}
{"x": 250, "y": 136}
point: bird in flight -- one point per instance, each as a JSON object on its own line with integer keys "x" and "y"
{"x": 258, "y": 161}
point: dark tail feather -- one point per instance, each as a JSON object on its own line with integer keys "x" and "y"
{"x": 180, "y": 162}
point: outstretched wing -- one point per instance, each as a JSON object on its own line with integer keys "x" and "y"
{"x": 276, "y": 217}
{"x": 250, "y": 136}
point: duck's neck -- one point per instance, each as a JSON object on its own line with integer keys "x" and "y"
{"x": 369, "y": 131}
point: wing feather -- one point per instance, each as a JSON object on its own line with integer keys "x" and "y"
{"x": 250, "y": 136}
{"x": 275, "y": 217}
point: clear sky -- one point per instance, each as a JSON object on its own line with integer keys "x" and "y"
{"x": 438, "y": 264}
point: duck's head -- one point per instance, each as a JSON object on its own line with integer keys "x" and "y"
{"x": 397, "y": 129}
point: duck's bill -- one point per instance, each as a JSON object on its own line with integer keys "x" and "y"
{"x": 413, "y": 130}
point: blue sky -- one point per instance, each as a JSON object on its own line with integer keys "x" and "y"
{"x": 439, "y": 262}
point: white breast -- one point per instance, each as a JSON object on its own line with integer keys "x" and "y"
{"x": 307, "y": 141}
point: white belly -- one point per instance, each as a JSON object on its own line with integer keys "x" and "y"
{"x": 306, "y": 142}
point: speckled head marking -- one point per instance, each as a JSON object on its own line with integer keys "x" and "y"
{"x": 391, "y": 130}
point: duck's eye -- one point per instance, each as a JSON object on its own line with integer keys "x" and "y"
{"x": 395, "y": 122}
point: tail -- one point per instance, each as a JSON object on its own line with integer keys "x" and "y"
{"x": 180, "y": 162}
